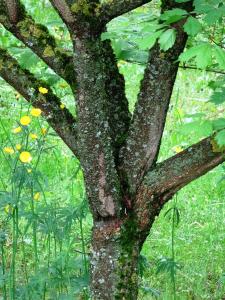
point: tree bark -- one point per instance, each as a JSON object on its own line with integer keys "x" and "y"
{"x": 116, "y": 246}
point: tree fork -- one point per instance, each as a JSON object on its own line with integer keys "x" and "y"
{"x": 122, "y": 220}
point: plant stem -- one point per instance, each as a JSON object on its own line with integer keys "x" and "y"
{"x": 3, "y": 271}
{"x": 34, "y": 232}
{"x": 173, "y": 247}
{"x": 13, "y": 263}
{"x": 83, "y": 246}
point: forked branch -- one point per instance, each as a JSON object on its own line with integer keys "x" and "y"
{"x": 37, "y": 37}
{"x": 145, "y": 133}
{"x": 168, "y": 177}
{"x": 61, "y": 120}
{"x": 149, "y": 117}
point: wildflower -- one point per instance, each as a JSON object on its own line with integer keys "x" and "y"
{"x": 8, "y": 150}
{"x": 17, "y": 129}
{"x": 37, "y": 196}
{"x": 43, "y": 90}
{"x": 35, "y": 112}
{"x": 43, "y": 131}
{"x": 177, "y": 149}
{"x": 62, "y": 106}
{"x": 18, "y": 147}
{"x": 25, "y": 157}
{"x": 29, "y": 170}
{"x": 33, "y": 136}
{"x": 25, "y": 120}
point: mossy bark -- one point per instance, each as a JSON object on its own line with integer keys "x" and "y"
{"x": 116, "y": 246}
{"x": 102, "y": 112}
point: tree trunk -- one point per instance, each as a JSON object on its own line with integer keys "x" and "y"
{"x": 125, "y": 185}
{"x": 116, "y": 247}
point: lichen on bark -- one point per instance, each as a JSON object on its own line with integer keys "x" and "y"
{"x": 116, "y": 246}
{"x": 38, "y": 39}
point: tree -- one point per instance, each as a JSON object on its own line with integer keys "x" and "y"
{"x": 126, "y": 187}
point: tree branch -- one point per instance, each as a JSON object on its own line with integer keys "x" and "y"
{"x": 115, "y": 8}
{"x": 168, "y": 177}
{"x": 177, "y": 171}
{"x": 145, "y": 133}
{"x": 64, "y": 10}
{"x": 97, "y": 159}
{"x": 61, "y": 120}
{"x": 118, "y": 108}
{"x": 37, "y": 37}
{"x": 149, "y": 117}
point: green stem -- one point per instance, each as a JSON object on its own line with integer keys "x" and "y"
{"x": 34, "y": 225}
{"x": 83, "y": 246}
{"x": 48, "y": 263}
{"x": 13, "y": 263}
{"x": 3, "y": 271}
{"x": 173, "y": 247}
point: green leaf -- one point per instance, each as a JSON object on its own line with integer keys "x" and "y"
{"x": 205, "y": 6}
{"x": 192, "y": 26}
{"x": 217, "y": 84}
{"x": 199, "y": 128}
{"x": 218, "y": 124}
{"x": 220, "y": 138}
{"x": 134, "y": 55}
{"x": 213, "y": 16}
{"x": 202, "y": 54}
{"x": 220, "y": 56}
{"x": 149, "y": 41}
{"x": 190, "y": 53}
{"x": 173, "y": 15}
{"x": 218, "y": 97}
{"x": 167, "y": 39}
{"x": 204, "y": 59}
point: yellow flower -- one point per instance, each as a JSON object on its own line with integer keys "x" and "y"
{"x": 37, "y": 196}
{"x": 62, "y": 106}
{"x": 25, "y": 120}
{"x": 8, "y": 208}
{"x": 177, "y": 149}
{"x": 35, "y": 112}
{"x": 33, "y": 136}
{"x": 17, "y": 129}
{"x": 8, "y": 150}
{"x": 18, "y": 147}
{"x": 29, "y": 170}
{"x": 25, "y": 157}
{"x": 43, "y": 90}
{"x": 43, "y": 131}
